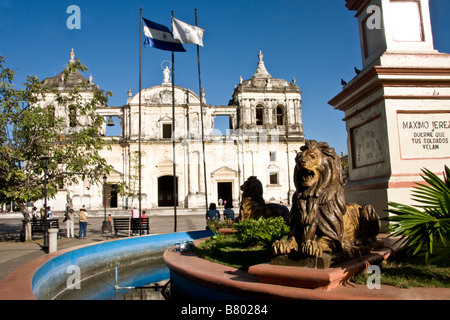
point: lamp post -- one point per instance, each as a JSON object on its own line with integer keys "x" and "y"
{"x": 105, "y": 223}
{"x": 44, "y": 165}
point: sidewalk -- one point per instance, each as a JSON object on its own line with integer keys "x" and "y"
{"x": 14, "y": 253}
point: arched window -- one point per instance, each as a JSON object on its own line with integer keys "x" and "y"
{"x": 72, "y": 116}
{"x": 280, "y": 115}
{"x": 259, "y": 115}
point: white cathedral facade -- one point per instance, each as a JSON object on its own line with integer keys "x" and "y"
{"x": 265, "y": 133}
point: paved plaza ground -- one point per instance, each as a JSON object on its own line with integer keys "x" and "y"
{"x": 14, "y": 253}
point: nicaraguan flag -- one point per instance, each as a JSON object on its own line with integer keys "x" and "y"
{"x": 160, "y": 37}
{"x": 187, "y": 33}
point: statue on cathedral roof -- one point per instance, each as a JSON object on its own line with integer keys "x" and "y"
{"x": 166, "y": 73}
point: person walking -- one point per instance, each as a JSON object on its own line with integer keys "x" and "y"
{"x": 70, "y": 223}
{"x": 82, "y": 222}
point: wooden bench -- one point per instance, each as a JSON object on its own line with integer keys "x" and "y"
{"x": 131, "y": 225}
{"x": 38, "y": 226}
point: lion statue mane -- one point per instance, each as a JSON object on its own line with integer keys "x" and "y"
{"x": 320, "y": 220}
{"x": 253, "y": 205}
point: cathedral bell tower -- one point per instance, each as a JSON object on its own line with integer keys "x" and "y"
{"x": 265, "y": 103}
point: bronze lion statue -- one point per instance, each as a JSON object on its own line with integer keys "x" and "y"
{"x": 253, "y": 205}
{"x": 320, "y": 220}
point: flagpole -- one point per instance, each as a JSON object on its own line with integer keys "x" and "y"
{"x": 175, "y": 196}
{"x": 139, "y": 136}
{"x": 201, "y": 116}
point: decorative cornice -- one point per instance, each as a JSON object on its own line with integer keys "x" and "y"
{"x": 377, "y": 75}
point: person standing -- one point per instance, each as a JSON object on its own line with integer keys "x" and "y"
{"x": 70, "y": 223}
{"x": 49, "y": 217}
{"x": 134, "y": 215}
{"x": 35, "y": 214}
{"x": 144, "y": 222}
{"x": 49, "y": 213}
{"x": 82, "y": 221}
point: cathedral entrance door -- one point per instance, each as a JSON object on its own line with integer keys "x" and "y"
{"x": 110, "y": 196}
{"x": 165, "y": 191}
{"x": 225, "y": 192}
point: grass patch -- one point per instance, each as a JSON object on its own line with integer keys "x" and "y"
{"x": 228, "y": 250}
{"x": 406, "y": 271}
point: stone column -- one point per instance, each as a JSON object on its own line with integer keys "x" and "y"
{"x": 193, "y": 179}
{"x": 201, "y": 178}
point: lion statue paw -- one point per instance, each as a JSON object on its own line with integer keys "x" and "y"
{"x": 280, "y": 247}
{"x": 311, "y": 248}
{"x": 315, "y": 248}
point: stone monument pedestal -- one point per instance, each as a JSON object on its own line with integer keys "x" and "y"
{"x": 397, "y": 109}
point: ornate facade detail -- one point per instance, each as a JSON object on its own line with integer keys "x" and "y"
{"x": 264, "y": 119}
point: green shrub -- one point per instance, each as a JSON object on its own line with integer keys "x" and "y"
{"x": 250, "y": 245}
{"x": 262, "y": 231}
{"x": 215, "y": 225}
{"x": 425, "y": 228}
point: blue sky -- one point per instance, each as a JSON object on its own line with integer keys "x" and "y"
{"x": 315, "y": 41}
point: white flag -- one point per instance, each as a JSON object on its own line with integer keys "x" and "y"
{"x": 187, "y": 33}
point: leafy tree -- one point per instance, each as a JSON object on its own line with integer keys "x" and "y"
{"x": 133, "y": 186}
{"x": 30, "y": 129}
{"x": 425, "y": 228}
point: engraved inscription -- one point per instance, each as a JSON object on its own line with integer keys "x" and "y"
{"x": 424, "y": 135}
